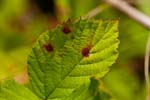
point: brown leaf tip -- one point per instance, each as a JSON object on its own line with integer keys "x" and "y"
{"x": 48, "y": 47}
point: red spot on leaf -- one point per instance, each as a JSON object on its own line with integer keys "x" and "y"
{"x": 48, "y": 47}
{"x": 66, "y": 29}
{"x": 66, "y": 26}
{"x": 86, "y": 51}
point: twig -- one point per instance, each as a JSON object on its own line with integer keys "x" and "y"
{"x": 130, "y": 11}
{"x": 96, "y": 11}
{"x": 147, "y": 68}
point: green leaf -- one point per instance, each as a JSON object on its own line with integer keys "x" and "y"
{"x": 90, "y": 91}
{"x": 60, "y": 62}
{"x": 10, "y": 90}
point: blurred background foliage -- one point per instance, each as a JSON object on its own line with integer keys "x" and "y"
{"x": 22, "y": 21}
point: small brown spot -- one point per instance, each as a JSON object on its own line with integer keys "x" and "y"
{"x": 86, "y": 51}
{"x": 66, "y": 29}
{"x": 48, "y": 47}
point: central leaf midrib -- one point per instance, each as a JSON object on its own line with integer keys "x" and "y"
{"x": 62, "y": 78}
{"x": 65, "y": 76}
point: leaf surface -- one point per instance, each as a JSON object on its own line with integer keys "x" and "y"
{"x": 10, "y": 90}
{"x": 60, "y": 63}
{"x": 91, "y": 91}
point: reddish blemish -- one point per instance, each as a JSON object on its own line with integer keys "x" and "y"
{"x": 86, "y": 51}
{"x": 48, "y": 47}
{"x": 66, "y": 29}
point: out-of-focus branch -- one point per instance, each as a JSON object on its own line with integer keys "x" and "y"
{"x": 130, "y": 11}
{"x": 147, "y": 68}
{"x": 96, "y": 11}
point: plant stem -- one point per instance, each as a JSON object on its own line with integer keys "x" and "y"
{"x": 147, "y": 68}
{"x": 130, "y": 11}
